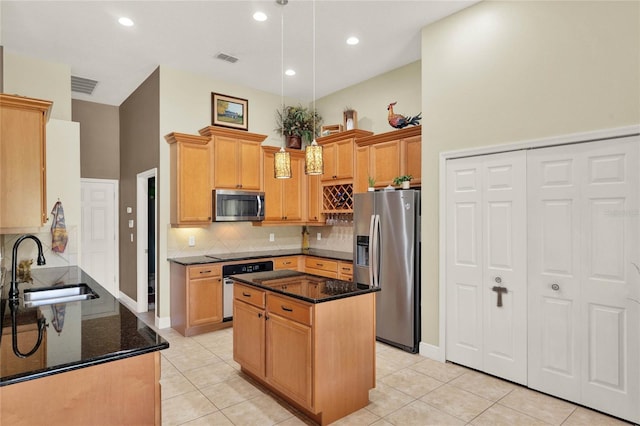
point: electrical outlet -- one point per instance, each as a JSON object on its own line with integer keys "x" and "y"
{"x": 319, "y": 236}
{"x": 192, "y": 240}
{"x": 272, "y": 237}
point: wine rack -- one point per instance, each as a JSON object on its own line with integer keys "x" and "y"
{"x": 337, "y": 198}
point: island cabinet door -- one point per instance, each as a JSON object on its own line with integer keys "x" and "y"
{"x": 249, "y": 337}
{"x": 289, "y": 359}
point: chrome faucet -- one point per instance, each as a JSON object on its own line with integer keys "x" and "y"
{"x": 13, "y": 292}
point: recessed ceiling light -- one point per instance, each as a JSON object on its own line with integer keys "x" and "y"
{"x": 260, "y": 16}
{"x": 125, "y": 21}
{"x": 353, "y": 41}
{"x": 290, "y": 72}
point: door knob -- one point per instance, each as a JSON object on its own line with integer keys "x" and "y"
{"x": 555, "y": 287}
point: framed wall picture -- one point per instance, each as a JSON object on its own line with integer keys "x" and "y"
{"x": 228, "y": 111}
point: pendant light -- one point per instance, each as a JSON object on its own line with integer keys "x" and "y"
{"x": 282, "y": 159}
{"x": 313, "y": 162}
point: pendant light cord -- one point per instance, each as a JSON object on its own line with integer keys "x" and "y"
{"x": 313, "y": 62}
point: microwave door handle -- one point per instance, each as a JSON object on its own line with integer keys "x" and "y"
{"x": 259, "y": 206}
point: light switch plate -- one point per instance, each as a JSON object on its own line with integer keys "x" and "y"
{"x": 130, "y": 223}
{"x": 272, "y": 237}
{"x": 192, "y": 240}
{"x": 319, "y": 236}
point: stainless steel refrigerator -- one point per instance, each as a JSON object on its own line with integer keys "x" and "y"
{"x": 386, "y": 251}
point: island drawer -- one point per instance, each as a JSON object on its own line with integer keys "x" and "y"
{"x": 322, "y": 264}
{"x": 253, "y": 296}
{"x": 204, "y": 271}
{"x": 288, "y": 308}
{"x": 289, "y": 262}
{"x": 345, "y": 268}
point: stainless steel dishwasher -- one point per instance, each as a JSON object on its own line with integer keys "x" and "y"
{"x": 227, "y": 287}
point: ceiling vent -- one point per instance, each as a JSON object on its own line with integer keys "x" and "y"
{"x": 82, "y": 85}
{"x": 226, "y": 57}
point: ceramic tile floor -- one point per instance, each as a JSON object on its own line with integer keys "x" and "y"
{"x": 202, "y": 385}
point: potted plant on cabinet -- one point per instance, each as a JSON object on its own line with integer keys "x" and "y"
{"x": 298, "y": 123}
{"x": 404, "y": 180}
{"x": 372, "y": 184}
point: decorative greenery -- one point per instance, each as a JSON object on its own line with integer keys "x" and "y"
{"x": 405, "y": 178}
{"x": 372, "y": 182}
{"x": 298, "y": 121}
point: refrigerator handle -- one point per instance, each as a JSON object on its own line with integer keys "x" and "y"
{"x": 376, "y": 251}
{"x": 372, "y": 254}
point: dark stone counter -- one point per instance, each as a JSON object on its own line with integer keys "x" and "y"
{"x": 78, "y": 334}
{"x": 232, "y": 257}
{"x": 307, "y": 287}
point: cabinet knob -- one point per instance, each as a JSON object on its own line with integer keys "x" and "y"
{"x": 259, "y": 314}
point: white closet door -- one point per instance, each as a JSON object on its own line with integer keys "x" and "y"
{"x": 464, "y": 343}
{"x": 486, "y": 260}
{"x": 505, "y": 266}
{"x": 584, "y": 238}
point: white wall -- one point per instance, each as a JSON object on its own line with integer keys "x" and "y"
{"x": 39, "y": 79}
{"x": 371, "y": 97}
{"x": 501, "y": 72}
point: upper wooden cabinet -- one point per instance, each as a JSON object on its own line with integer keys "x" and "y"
{"x": 190, "y": 186}
{"x": 23, "y": 189}
{"x": 388, "y": 155}
{"x": 314, "y": 201}
{"x": 338, "y": 154}
{"x": 284, "y": 198}
{"x": 235, "y": 158}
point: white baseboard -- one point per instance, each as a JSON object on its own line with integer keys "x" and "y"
{"x": 431, "y": 351}
{"x": 128, "y": 302}
{"x": 163, "y": 322}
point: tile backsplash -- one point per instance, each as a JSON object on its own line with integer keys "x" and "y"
{"x": 29, "y": 250}
{"x": 241, "y": 237}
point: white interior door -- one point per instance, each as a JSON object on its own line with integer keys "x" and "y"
{"x": 99, "y": 240}
{"x": 486, "y": 264}
{"x": 584, "y": 285}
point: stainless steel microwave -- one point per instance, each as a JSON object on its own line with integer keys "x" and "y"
{"x": 237, "y": 206}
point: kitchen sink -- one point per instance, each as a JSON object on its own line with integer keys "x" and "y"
{"x": 58, "y": 294}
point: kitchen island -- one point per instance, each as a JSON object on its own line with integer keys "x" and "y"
{"x": 97, "y": 363}
{"x": 309, "y": 339}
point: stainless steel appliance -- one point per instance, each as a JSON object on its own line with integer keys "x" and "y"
{"x": 227, "y": 283}
{"x": 387, "y": 254}
{"x": 237, "y": 206}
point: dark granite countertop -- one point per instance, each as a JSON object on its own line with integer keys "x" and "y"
{"x": 78, "y": 334}
{"x": 232, "y": 257}
{"x": 302, "y": 286}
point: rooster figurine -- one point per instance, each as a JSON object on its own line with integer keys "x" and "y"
{"x": 399, "y": 121}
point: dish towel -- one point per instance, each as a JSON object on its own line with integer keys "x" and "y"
{"x": 59, "y": 236}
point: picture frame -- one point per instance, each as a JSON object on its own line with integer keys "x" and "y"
{"x": 229, "y": 111}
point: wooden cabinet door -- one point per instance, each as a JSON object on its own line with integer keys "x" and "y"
{"x": 194, "y": 191}
{"x": 292, "y": 191}
{"x": 205, "y": 301}
{"x": 384, "y": 162}
{"x": 249, "y": 165}
{"x": 411, "y": 164}
{"x": 314, "y": 199}
{"x": 329, "y": 162}
{"x": 344, "y": 159}
{"x": 289, "y": 366}
{"x": 272, "y": 190}
{"x": 225, "y": 163}
{"x": 362, "y": 173}
{"x": 22, "y": 162}
{"x": 249, "y": 337}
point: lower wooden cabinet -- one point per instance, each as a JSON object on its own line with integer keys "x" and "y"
{"x": 196, "y": 298}
{"x": 122, "y": 392}
{"x": 288, "y": 262}
{"x": 345, "y": 271}
{"x": 320, "y": 357}
{"x": 321, "y": 266}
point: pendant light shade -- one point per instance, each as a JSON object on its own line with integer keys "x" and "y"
{"x": 313, "y": 164}
{"x": 282, "y": 164}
